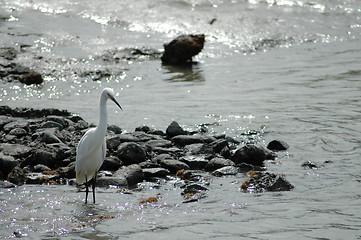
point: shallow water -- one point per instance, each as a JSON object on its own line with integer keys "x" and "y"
{"x": 292, "y": 67}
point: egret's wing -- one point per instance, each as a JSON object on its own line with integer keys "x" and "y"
{"x": 104, "y": 149}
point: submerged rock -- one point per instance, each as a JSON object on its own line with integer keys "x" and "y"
{"x": 261, "y": 181}
{"x": 17, "y": 176}
{"x": 181, "y": 50}
{"x": 31, "y": 78}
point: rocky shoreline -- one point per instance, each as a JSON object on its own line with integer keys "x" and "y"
{"x": 39, "y": 147}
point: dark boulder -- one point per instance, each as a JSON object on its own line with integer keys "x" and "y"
{"x": 181, "y": 50}
{"x": 174, "y": 130}
{"x": 217, "y": 163}
{"x": 31, "y": 78}
{"x": 183, "y": 140}
{"x": 113, "y": 142}
{"x": 277, "y": 145}
{"x": 173, "y": 165}
{"x": 15, "y": 150}
{"x": 252, "y": 154}
{"x": 155, "y": 172}
{"x": 219, "y": 145}
{"x": 261, "y": 181}
{"x": 131, "y": 153}
{"x": 199, "y": 149}
{"x": 119, "y": 181}
{"x": 115, "y": 129}
{"x": 7, "y": 163}
{"x": 111, "y": 163}
{"x": 194, "y": 162}
{"x": 133, "y": 173}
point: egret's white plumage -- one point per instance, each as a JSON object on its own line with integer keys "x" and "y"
{"x": 91, "y": 149}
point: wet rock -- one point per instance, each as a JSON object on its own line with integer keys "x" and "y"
{"x": 252, "y": 154}
{"x": 226, "y": 152}
{"x": 5, "y": 120}
{"x": 47, "y": 136}
{"x": 217, "y": 163}
{"x": 52, "y": 124}
{"x": 155, "y": 172}
{"x": 41, "y": 168}
{"x": 128, "y": 138}
{"x": 219, "y": 145}
{"x": 162, "y": 143}
{"x": 133, "y": 173}
{"x": 183, "y": 140}
{"x": 15, "y": 150}
{"x": 44, "y": 157}
{"x": 115, "y": 129}
{"x": 68, "y": 171}
{"x": 113, "y": 142}
{"x": 309, "y": 164}
{"x": 228, "y": 170}
{"x": 194, "y": 162}
{"x": 18, "y": 132}
{"x": 16, "y": 176}
{"x": 199, "y": 149}
{"x": 261, "y": 181}
{"x": 148, "y": 164}
{"x": 31, "y": 78}
{"x": 119, "y": 181}
{"x": 8, "y": 53}
{"x": 173, "y": 165}
{"x": 193, "y": 188}
{"x": 7, "y": 163}
{"x": 277, "y": 145}
{"x": 145, "y": 137}
{"x": 81, "y": 125}
{"x": 111, "y": 164}
{"x": 145, "y": 129}
{"x": 171, "y": 150}
{"x": 59, "y": 119}
{"x": 174, "y": 130}
{"x": 40, "y": 178}
{"x": 16, "y": 124}
{"x": 131, "y": 153}
{"x": 32, "y": 113}
{"x": 181, "y": 50}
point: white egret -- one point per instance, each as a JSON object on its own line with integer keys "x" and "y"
{"x": 91, "y": 149}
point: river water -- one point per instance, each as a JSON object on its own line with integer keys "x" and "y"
{"x": 290, "y": 68}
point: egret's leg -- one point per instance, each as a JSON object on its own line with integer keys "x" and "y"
{"x": 86, "y": 189}
{"x": 95, "y": 179}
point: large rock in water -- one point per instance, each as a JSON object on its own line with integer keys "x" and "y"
{"x": 131, "y": 153}
{"x": 252, "y": 154}
{"x": 181, "y": 50}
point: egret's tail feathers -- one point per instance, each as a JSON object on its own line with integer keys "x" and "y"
{"x": 80, "y": 177}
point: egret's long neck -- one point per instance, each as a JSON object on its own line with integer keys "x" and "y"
{"x": 103, "y": 117}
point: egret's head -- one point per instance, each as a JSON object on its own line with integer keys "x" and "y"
{"x": 109, "y": 93}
